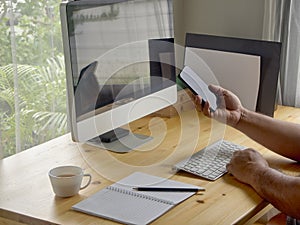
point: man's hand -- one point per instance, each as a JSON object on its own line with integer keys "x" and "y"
{"x": 229, "y": 109}
{"x": 246, "y": 164}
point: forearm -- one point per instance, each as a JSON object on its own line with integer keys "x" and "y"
{"x": 280, "y": 190}
{"x": 279, "y": 136}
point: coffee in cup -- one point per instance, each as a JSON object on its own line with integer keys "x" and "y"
{"x": 67, "y": 180}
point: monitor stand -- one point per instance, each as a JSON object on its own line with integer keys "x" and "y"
{"x": 119, "y": 140}
{"x": 114, "y": 135}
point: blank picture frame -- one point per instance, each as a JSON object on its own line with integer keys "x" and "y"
{"x": 268, "y": 51}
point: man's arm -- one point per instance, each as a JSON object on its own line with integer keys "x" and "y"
{"x": 280, "y": 190}
{"x": 248, "y": 165}
{"x": 279, "y": 136}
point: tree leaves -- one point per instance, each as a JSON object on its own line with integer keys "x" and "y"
{"x": 42, "y": 101}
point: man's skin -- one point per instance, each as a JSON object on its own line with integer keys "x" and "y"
{"x": 248, "y": 166}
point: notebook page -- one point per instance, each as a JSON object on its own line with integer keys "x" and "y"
{"x": 123, "y": 208}
{"x": 120, "y": 203}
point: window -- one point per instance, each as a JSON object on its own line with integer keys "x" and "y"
{"x": 32, "y": 75}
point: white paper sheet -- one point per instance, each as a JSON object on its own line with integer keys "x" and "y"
{"x": 239, "y": 73}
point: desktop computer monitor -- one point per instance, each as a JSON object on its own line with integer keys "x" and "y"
{"x": 119, "y": 57}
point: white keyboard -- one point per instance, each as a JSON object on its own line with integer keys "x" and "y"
{"x": 210, "y": 162}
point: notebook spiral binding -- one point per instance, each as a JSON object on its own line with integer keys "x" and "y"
{"x": 139, "y": 195}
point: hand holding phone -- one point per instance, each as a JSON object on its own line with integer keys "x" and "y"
{"x": 194, "y": 82}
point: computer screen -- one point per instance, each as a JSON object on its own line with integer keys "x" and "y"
{"x": 119, "y": 58}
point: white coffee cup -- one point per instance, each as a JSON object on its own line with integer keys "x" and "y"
{"x": 67, "y": 180}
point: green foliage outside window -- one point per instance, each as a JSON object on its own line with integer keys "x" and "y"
{"x": 38, "y": 65}
{"x": 41, "y": 100}
{"x": 37, "y": 31}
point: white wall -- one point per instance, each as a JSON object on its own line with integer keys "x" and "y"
{"x": 234, "y": 18}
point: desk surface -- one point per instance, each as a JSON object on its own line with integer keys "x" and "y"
{"x": 27, "y": 198}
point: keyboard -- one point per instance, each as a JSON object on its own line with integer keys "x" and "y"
{"x": 210, "y": 162}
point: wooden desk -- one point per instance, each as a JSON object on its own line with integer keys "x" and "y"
{"x": 26, "y": 196}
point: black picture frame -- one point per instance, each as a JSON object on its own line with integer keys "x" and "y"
{"x": 269, "y": 51}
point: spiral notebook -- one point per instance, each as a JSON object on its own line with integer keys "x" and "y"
{"x": 120, "y": 203}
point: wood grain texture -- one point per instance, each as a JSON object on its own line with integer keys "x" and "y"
{"x": 26, "y": 196}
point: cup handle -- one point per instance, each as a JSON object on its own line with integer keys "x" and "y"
{"x": 89, "y": 181}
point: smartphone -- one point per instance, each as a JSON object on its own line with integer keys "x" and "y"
{"x": 194, "y": 82}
